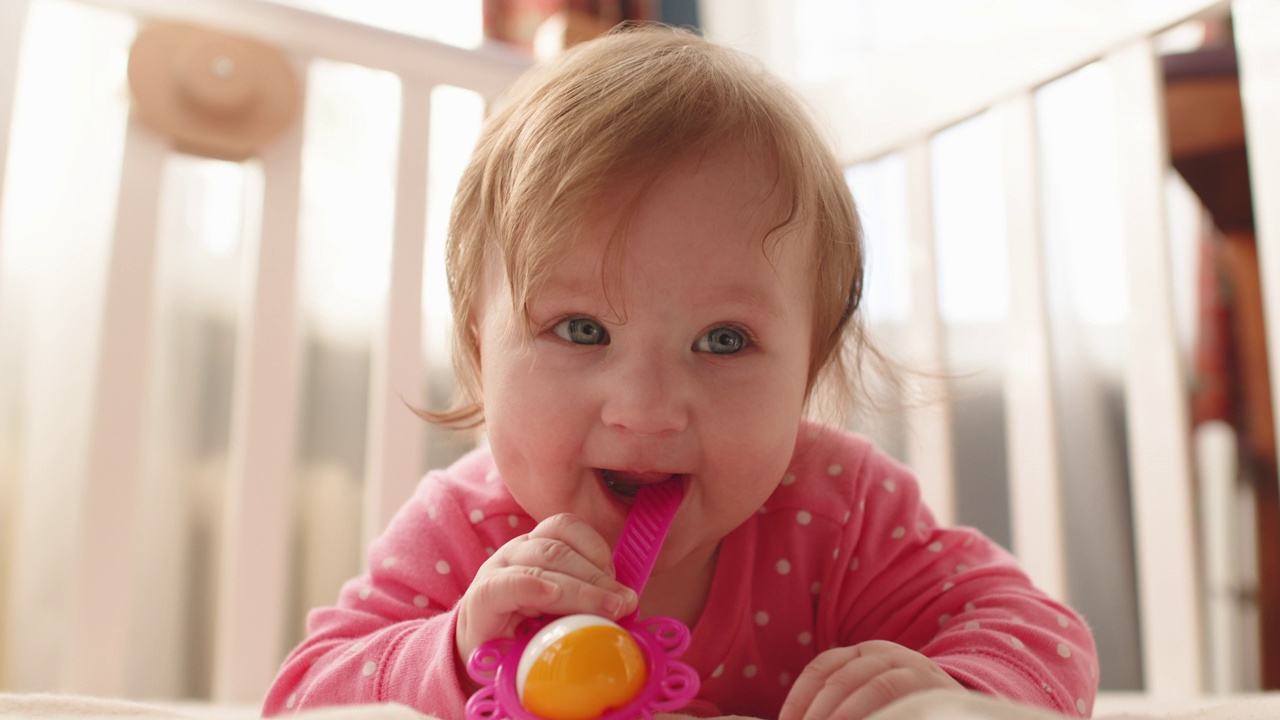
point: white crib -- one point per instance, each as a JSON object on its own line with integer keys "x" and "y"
{"x": 134, "y": 570}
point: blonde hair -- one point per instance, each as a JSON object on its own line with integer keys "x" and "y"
{"x": 627, "y": 105}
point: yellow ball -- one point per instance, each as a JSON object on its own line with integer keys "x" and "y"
{"x": 578, "y": 668}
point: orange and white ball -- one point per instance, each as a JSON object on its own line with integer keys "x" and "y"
{"x": 579, "y": 667}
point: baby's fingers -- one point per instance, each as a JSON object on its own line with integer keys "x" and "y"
{"x": 557, "y": 556}
{"x": 829, "y": 679}
{"x": 853, "y": 682}
{"x": 586, "y": 544}
{"x": 496, "y": 602}
{"x": 532, "y": 591}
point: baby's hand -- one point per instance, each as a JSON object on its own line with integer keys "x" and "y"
{"x": 852, "y": 682}
{"x": 563, "y": 567}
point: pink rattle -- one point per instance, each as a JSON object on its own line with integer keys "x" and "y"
{"x": 584, "y": 667}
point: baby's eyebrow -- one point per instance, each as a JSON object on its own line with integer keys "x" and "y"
{"x": 567, "y": 290}
{"x": 753, "y": 299}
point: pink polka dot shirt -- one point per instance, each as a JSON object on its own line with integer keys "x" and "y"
{"x": 844, "y": 551}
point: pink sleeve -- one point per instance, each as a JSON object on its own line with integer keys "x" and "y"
{"x": 390, "y": 638}
{"x": 956, "y": 597}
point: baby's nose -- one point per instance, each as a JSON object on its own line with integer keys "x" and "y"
{"x": 645, "y": 399}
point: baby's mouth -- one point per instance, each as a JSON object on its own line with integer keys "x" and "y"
{"x": 626, "y": 485}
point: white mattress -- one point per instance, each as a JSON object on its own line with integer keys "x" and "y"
{"x": 937, "y": 705}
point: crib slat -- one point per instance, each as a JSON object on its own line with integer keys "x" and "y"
{"x": 396, "y": 437}
{"x": 13, "y": 18}
{"x": 96, "y": 663}
{"x": 1156, "y": 399}
{"x": 1035, "y": 483}
{"x": 1216, "y": 453}
{"x": 929, "y": 444}
{"x": 255, "y": 542}
{"x": 1257, "y": 29}
{"x": 488, "y": 69}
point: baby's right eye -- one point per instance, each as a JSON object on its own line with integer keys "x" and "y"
{"x": 581, "y": 331}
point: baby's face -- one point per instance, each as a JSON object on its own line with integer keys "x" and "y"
{"x": 705, "y": 377}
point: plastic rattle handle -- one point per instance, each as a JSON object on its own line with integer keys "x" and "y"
{"x": 646, "y": 527}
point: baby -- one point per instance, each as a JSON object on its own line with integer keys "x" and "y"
{"x": 654, "y": 259}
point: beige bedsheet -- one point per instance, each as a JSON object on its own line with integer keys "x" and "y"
{"x": 925, "y": 706}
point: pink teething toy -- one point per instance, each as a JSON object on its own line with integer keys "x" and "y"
{"x": 583, "y": 667}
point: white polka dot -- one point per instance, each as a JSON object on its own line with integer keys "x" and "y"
{"x": 944, "y": 619}
{"x": 890, "y": 485}
{"x": 834, "y": 470}
{"x": 972, "y": 625}
{"x": 815, "y": 588}
{"x": 789, "y": 479}
{"x": 1080, "y": 706}
{"x": 784, "y": 679}
{"x": 476, "y": 516}
{"x": 1062, "y": 620}
{"x": 970, "y": 607}
{"x": 489, "y": 551}
{"x": 718, "y": 671}
{"x": 862, "y": 506}
{"x": 491, "y": 476}
{"x": 922, "y": 527}
{"x": 805, "y": 638}
{"x": 1063, "y": 650}
{"x": 804, "y": 517}
{"x": 962, "y": 568}
{"x": 750, "y": 671}
{"x": 947, "y": 586}
{"x": 854, "y": 564}
{"x": 388, "y": 562}
{"x": 512, "y": 520}
{"x": 784, "y": 567}
{"x": 359, "y": 647}
{"x": 1017, "y": 619}
{"x": 365, "y": 592}
{"x": 369, "y": 668}
{"x": 293, "y": 700}
{"x": 1016, "y": 642}
{"x": 421, "y": 601}
{"x": 762, "y": 618}
{"x": 847, "y": 514}
{"x": 443, "y": 568}
{"x": 899, "y": 533}
{"x": 935, "y": 547}
{"x": 432, "y": 512}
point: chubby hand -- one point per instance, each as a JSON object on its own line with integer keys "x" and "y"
{"x": 563, "y": 567}
{"x": 852, "y": 682}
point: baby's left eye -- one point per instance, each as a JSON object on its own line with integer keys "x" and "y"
{"x": 721, "y": 341}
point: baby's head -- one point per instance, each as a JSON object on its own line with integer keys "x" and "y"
{"x": 615, "y": 112}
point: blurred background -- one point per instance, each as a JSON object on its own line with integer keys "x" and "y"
{"x": 58, "y": 214}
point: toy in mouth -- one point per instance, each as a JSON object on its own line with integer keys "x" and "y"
{"x": 627, "y": 485}
{"x": 583, "y": 667}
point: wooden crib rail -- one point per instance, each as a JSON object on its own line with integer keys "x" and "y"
{"x": 254, "y": 572}
{"x": 1176, "y": 661}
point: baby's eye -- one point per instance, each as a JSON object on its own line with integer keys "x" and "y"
{"x": 581, "y": 331}
{"x": 721, "y": 341}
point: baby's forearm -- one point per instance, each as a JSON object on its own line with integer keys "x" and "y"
{"x": 354, "y": 659}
